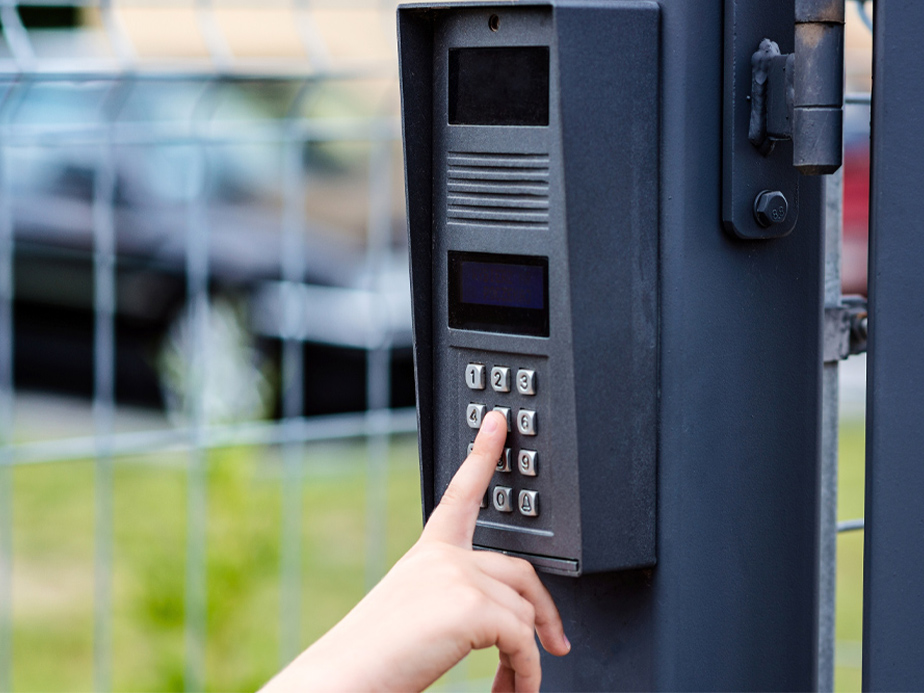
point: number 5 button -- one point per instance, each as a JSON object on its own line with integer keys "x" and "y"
{"x": 526, "y": 422}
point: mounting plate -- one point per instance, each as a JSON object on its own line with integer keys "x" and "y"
{"x": 745, "y": 171}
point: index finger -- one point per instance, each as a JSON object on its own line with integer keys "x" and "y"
{"x": 453, "y": 520}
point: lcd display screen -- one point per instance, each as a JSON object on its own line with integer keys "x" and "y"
{"x": 499, "y": 86}
{"x": 499, "y": 293}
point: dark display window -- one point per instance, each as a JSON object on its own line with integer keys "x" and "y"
{"x": 499, "y": 293}
{"x": 499, "y": 86}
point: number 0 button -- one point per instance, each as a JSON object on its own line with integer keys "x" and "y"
{"x": 526, "y": 422}
{"x": 503, "y": 499}
{"x": 474, "y": 413}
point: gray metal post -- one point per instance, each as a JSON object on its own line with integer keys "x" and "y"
{"x": 732, "y": 602}
{"x": 893, "y": 603}
{"x": 827, "y": 504}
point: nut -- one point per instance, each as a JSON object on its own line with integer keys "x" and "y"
{"x": 770, "y": 207}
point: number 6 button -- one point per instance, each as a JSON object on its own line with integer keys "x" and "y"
{"x": 526, "y": 422}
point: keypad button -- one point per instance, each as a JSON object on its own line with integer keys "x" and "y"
{"x": 528, "y": 503}
{"x": 503, "y": 499}
{"x": 526, "y": 381}
{"x": 474, "y": 376}
{"x": 474, "y": 414}
{"x": 503, "y": 462}
{"x": 528, "y": 462}
{"x": 500, "y": 379}
{"x": 526, "y": 422}
{"x": 506, "y": 412}
{"x": 484, "y": 500}
{"x": 471, "y": 446}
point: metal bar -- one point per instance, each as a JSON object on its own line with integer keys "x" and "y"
{"x": 6, "y": 414}
{"x": 197, "y": 374}
{"x": 293, "y": 389}
{"x": 104, "y": 302}
{"x": 827, "y": 502}
{"x": 378, "y": 366}
{"x": 320, "y": 130}
{"x": 893, "y": 604}
{"x": 851, "y": 525}
{"x": 313, "y": 429}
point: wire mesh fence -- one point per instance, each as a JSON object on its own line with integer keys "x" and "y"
{"x": 223, "y": 180}
{"x": 200, "y": 213}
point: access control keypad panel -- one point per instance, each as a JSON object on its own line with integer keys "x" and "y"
{"x": 512, "y": 385}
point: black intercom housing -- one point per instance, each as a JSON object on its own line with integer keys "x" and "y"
{"x": 531, "y": 136}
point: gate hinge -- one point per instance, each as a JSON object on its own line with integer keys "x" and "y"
{"x": 845, "y": 328}
{"x": 800, "y": 96}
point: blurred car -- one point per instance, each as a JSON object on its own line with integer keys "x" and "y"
{"x": 855, "y": 249}
{"x": 157, "y": 196}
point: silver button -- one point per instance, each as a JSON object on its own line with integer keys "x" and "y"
{"x": 484, "y": 500}
{"x": 506, "y": 412}
{"x": 528, "y": 503}
{"x": 526, "y": 422}
{"x": 503, "y": 462}
{"x": 528, "y": 462}
{"x": 474, "y": 413}
{"x": 500, "y": 379}
{"x": 526, "y": 381}
{"x": 471, "y": 446}
{"x": 474, "y": 376}
{"x": 503, "y": 499}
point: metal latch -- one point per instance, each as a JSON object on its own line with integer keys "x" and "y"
{"x": 846, "y": 328}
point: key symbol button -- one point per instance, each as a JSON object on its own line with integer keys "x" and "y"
{"x": 528, "y": 502}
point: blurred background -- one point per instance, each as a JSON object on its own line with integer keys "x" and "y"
{"x": 207, "y": 449}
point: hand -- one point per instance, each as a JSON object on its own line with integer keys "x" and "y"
{"x": 438, "y": 603}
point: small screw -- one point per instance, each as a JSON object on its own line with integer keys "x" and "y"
{"x": 770, "y": 207}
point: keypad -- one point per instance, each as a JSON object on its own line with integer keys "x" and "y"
{"x": 474, "y": 376}
{"x": 474, "y": 415}
{"x": 528, "y": 462}
{"x": 528, "y": 503}
{"x": 508, "y": 383}
{"x": 503, "y": 499}
{"x": 526, "y": 422}
{"x": 526, "y": 381}
{"x": 500, "y": 379}
{"x": 506, "y": 412}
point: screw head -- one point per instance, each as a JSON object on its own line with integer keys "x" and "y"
{"x": 770, "y": 207}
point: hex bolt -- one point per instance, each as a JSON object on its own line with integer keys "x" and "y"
{"x": 770, "y": 207}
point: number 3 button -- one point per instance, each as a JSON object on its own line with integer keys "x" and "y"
{"x": 526, "y": 422}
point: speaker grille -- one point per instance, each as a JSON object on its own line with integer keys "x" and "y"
{"x": 509, "y": 190}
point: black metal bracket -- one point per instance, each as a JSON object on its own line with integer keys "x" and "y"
{"x": 794, "y": 97}
{"x": 846, "y": 328}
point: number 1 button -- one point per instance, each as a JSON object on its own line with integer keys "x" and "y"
{"x": 474, "y": 376}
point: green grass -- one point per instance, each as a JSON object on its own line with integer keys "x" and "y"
{"x": 53, "y": 511}
{"x": 851, "y": 471}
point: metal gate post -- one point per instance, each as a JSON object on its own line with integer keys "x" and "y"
{"x": 732, "y": 602}
{"x": 893, "y": 600}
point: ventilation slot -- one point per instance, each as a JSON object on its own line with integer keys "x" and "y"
{"x": 510, "y": 190}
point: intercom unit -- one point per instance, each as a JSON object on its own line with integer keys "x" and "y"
{"x": 531, "y": 135}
